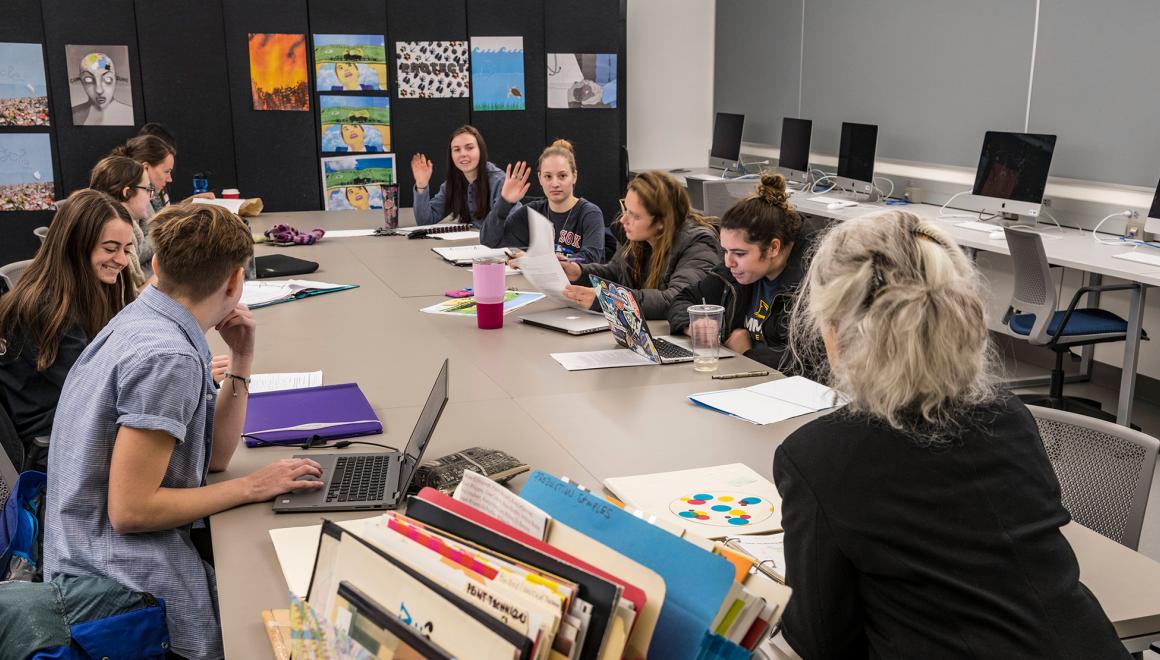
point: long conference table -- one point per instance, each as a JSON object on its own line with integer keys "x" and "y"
{"x": 507, "y": 393}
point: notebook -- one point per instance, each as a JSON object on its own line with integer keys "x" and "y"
{"x": 288, "y": 417}
{"x": 370, "y": 481}
{"x": 771, "y": 401}
{"x": 262, "y": 294}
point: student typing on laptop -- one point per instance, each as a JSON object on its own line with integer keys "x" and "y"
{"x": 669, "y": 247}
{"x": 140, "y": 423}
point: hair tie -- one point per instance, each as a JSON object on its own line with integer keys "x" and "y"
{"x": 923, "y": 232}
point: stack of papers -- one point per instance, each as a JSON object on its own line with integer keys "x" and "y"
{"x": 771, "y": 401}
{"x": 606, "y": 359}
{"x": 464, "y": 255}
{"x": 257, "y": 294}
{"x": 284, "y": 381}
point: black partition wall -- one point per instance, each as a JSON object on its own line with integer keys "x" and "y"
{"x": 189, "y": 64}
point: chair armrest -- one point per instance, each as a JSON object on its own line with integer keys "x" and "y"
{"x": 41, "y": 440}
{"x": 1080, "y": 292}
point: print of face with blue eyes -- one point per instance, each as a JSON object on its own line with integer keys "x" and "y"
{"x": 98, "y": 78}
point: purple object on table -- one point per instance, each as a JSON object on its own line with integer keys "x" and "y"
{"x": 288, "y": 417}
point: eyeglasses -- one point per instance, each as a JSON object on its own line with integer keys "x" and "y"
{"x": 149, "y": 189}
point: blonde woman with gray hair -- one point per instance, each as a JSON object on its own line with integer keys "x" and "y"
{"x": 921, "y": 519}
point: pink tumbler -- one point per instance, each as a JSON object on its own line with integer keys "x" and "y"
{"x": 487, "y": 277}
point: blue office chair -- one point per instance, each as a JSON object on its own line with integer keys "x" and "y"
{"x": 1032, "y": 315}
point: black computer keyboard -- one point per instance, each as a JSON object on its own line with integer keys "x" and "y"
{"x": 668, "y": 349}
{"x": 359, "y": 478}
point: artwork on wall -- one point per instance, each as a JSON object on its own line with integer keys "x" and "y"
{"x": 497, "y": 73}
{"x": 581, "y": 80}
{"x": 350, "y": 62}
{"x": 355, "y": 124}
{"x": 23, "y": 94}
{"x": 432, "y": 69}
{"x": 25, "y": 172}
{"x": 278, "y": 76}
{"x": 100, "y": 88}
{"x": 358, "y": 182}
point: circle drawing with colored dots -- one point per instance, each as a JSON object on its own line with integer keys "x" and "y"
{"x": 722, "y": 509}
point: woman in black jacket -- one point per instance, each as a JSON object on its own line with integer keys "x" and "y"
{"x": 764, "y": 247}
{"x": 922, "y": 520}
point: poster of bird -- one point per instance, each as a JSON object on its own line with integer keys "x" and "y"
{"x": 278, "y": 76}
{"x": 497, "y": 73}
{"x": 432, "y": 69}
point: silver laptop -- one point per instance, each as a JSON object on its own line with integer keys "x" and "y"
{"x": 570, "y": 320}
{"x": 369, "y": 481}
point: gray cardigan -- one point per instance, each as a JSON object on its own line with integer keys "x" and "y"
{"x": 695, "y": 252}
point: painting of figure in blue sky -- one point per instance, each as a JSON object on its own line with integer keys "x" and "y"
{"x": 25, "y": 172}
{"x": 581, "y": 80}
{"x": 23, "y": 96}
{"x": 350, "y": 62}
{"x": 497, "y": 79}
{"x": 355, "y": 124}
{"x": 354, "y": 182}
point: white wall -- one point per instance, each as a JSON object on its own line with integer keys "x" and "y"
{"x": 670, "y": 82}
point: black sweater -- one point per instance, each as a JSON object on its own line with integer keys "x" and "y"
{"x": 896, "y": 551}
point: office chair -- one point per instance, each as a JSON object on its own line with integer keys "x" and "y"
{"x": 1032, "y": 315}
{"x": 12, "y": 272}
{"x": 1104, "y": 471}
{"x": 41, "y": 233}
{"x": 719, "y": 196}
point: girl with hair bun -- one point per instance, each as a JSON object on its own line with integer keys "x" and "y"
{"x": 922, "y": 519}
{"x": 578, "y": 223}
{"x": 764, "y": 245}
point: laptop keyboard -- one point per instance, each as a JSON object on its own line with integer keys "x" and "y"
{"x": 667, "y": 349}
{"x": 359, "y": 478}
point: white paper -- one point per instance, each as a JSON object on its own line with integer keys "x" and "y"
{"x": 348, "y": 233}
{"x": 296, "y": 548}
{"x": 771, "y": 401}
{"x": 500, "y": 503}
{"x": 456, "y": 235}
{"x": 607, "y": 359}
{"x": 468, "y": 253}
{"x": 232, "y": 205}
{"x": 284, "y": 381}
{"x": 765, "y": 548}
{"x": 539, "y": 264}
{"x": 265, "y": 292}
{"x": 800, "y": 390}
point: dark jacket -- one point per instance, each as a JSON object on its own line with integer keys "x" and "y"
{"x": 899, "y": 551}
{"x": 719, "y": 287}
{"x": 695, "y": 252}
{"x": 30, "y": 396}
{"x": 578, "y": 233}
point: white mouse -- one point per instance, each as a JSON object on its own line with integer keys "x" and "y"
{"x": 996, "y": 235}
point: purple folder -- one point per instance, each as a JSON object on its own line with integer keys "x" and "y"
{"x": 289, "y": 417}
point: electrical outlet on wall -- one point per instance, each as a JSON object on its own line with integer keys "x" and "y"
{"x": 1134, "y": 227}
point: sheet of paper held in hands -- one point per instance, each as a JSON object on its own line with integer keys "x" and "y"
{"x": 772, "y": 401}
{"x": 540, "y": 265}
{"x": 606, "y": 359}
{"x": 284, "y": 381}
{"x": 500, "y": 503}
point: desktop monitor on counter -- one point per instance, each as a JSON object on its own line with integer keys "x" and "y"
{"x": 794, "y": 156}
{"x": 1012, "y": 173}
{"x": 726, "y": 150}
{"x": 856, "y": 158}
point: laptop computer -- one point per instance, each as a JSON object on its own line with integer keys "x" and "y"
{"x": 369, "y": 481}
{"x": 568, "y": 319}
{"x": 630, "y": 330}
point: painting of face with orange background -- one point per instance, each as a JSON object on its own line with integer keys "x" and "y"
{"x": 278, "y": 77}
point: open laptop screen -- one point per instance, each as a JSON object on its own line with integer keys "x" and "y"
{"x": 421, "y": 435}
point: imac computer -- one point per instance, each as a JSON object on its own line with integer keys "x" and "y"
{"x": 856, "y": 158}
{"x": 1012, "y": 174}
{"x": 793, "y": 159}
{"x": 726, "y": 150}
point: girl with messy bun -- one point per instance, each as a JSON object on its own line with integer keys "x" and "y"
{"x": 924, "y": 514}
{"x": 578, "y": 223}
{"x": 764, "y": 245}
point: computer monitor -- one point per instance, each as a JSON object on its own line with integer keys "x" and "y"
{"x": 726, "y": 151}
{"x": 856, "y": 157}
{"x": 1012, "y": 173}
{"x": 794, "y": 157}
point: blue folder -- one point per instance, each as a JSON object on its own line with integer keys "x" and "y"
{"x": 696, "y": 581}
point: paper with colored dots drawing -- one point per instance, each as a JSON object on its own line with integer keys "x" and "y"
{"x": 711, "y": 502}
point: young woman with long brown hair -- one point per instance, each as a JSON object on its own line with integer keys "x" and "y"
{"x": 669, "y": 247}
{"x": 470, "y": 189}
{"x": 74, "y": 286}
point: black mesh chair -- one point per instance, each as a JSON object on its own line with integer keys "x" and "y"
{"x": 1104, "y": 470}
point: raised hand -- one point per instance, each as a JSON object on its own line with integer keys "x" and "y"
{"x": 516, "y": 183}
{"x": 421, "y": 169}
